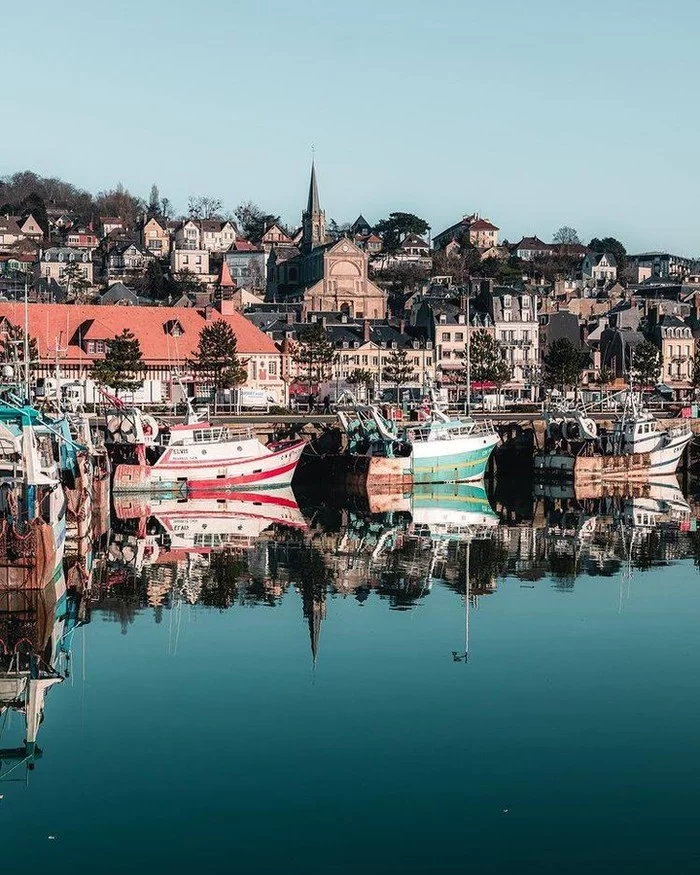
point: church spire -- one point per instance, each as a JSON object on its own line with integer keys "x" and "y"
{"x": 313, "y": 203}
{"x": 313, "y": 219}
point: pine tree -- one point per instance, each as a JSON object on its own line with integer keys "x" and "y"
{"x": 216, "y": 363}
{"x": 563, "y": 364}
{"x": 314, "y": 355}
{"x": 398, "y": 370}
{"x": 646, "y": 365}
{"x": 76, "y": 282}
{"x": 154, "y": 201}
{"x": 487, "y": 364}
{"x": 122, "y": 367}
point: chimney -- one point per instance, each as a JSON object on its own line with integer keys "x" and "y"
{"x": 366, "y": 330}
{"x": 402, "y": 326}
{"x": 289, "y": 317}
{"x": 208, "y": 311}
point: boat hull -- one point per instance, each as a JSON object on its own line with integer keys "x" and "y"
{"x": 621, "y": 468}
{"x": 460, "y": 460}
{"x": 261, "y": 472}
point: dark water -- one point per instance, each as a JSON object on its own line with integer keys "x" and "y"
{"x": 304, "y": 704}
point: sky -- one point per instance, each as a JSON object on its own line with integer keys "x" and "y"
{"x": 535, "y": 114}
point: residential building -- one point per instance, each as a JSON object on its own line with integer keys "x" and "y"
{"x": 118, "y": 293}
{"x": 531, "y": 248}
{"x": 215, "y": 235}
{"x": 30, "y": 228}
{"x": 10, "y": 232}
{"x": 246, "y": 264}
{"x": 168, "y": 337}
{"x": 662, "y": 264}
{"x": 601, "y": 267}
{"x": 82, "y": 238}
{"x": 674, "y": 338}
{"x": 55, "y": 260}
{"x": 155, "y": 236}
{"x": 196, "y": 261}
{"x": 188, "y": 235}
{"x": 110, "y": 224}
{"x": 127, "y": 259}
{"x": 447, "y": 326}
{"x": 478, "y": 231}
{"x": 513, "y": 314}
{"x": 275, "y": 237}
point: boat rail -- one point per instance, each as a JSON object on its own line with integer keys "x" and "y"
{"x": 452, "y": 429}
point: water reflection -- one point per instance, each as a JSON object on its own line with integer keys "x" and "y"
{"x": 167, "y": 554}
{"x": 252, "y": 549}
{"x": 36, "y": 633}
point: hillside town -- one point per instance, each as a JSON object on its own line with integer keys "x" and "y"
{"x": 383, "y": 306}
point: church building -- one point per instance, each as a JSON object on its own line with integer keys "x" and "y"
{"x": 324, "y": 275}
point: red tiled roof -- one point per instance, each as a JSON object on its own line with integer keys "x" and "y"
{"x": 482, "y": 225}
{"x": 225, "y": 278}
{"x": 71, "y": 324}
{"x": 244, "y": 246}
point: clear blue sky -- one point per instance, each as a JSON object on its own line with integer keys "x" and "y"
{"x": 536, "y": 114}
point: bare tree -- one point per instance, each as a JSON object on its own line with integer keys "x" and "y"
{"x": 566, "y": 235}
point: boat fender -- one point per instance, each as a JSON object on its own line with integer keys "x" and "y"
{"x": 113, "y": 424}
{"x": 589, "y": 428}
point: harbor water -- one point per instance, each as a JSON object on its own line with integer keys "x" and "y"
{"x": 408, "y": 691}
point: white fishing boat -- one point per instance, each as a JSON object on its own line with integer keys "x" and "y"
{"x": 196, "y": 455}
{"x": 430, "y": 448}
{"x": 637, "y": 448}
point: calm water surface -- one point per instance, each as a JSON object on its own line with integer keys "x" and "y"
{"x": 318, "y": 715}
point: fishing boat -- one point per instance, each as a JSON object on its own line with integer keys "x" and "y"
{"x": 429, "y": 448}
{"x": 195, "y": 455}
{"x": 637, "y": 448}
{"x": 32, "y": 500}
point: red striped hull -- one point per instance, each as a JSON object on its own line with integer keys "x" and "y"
{"x": 272, "y": 470}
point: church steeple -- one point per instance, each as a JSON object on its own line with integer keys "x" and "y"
{"x": 313, "y": 219}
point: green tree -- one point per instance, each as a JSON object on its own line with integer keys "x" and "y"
{"x": 253, "y": 221}
{"x": 563, "y": 364}
{"x": 398, "y": 370}
{"x": 153, "y": 283}
{"x": 215, "y": 362}
{"x": 75, "y": 281}
{"x": 184, "y": 282}
{"x": 360, "y": 377}
{"x": 154, "y": 201}
{"x": 610, "y": 244}
{"x": 34, "y": 205}
{"x": 394, "y": 228}
{"x": 487, "y": 364}
{"x": 314, "y": 355}
{"x": 696, "y": 370}
{"x": 122, "y": 367}
{"x": 645, "y": 365}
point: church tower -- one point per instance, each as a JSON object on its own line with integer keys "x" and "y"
{"x": 313, "y": 219}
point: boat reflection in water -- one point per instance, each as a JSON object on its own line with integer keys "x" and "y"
{"x": 253, "y": 548}
{"x": 36, "y": 630}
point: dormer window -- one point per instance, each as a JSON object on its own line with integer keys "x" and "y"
{"x": 60, "y": 256}
{"x": 460, "y": 319}
{"x": 346, "y": 345}
{"x": 356, "y": 344}
{"x": 507, "y": 302}
{"x": 443, "y": 319}
{"x": 393, "y": 344}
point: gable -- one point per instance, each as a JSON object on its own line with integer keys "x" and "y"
{"x": 347, "y": 248}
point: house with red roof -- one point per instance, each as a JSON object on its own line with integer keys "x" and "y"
{"x": 479, "y": 231}
{"x": 168, "y": 337}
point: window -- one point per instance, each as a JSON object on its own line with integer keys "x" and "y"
{"x": 99, "y": 346}
{"x": 526, "y": 302}
{"x": 446, "y": 335}
{"x": 459, "y": 336}
{"x": 507, "y": 301}
{"x": 446, "y": 354}
{"x": 272, "y": 369}
{"x": 429, "y": 360}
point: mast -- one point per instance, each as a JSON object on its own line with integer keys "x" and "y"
{"x": 469, "y": 361}
{"x": 26, "y": 339}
